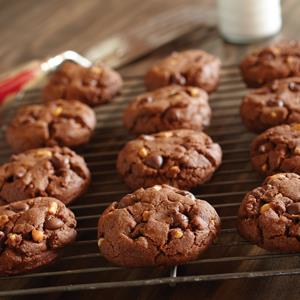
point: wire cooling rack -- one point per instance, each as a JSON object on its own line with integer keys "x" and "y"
{"x": 82, "y": 268}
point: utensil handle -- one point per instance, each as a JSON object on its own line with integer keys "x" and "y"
{"x": 14, "y": 83}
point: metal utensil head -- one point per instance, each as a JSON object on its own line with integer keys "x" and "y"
{"x": 52, "y": 63}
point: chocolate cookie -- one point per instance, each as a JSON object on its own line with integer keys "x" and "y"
{"x": 160, "y": 225}
{"x": 32, "y": 232}
{"x": 272, "y": 105}
{"x": 93, "y": 86}
{"x": 55, "y": 172}
{"x": 191, "y": 67}
{"x": 171, "y": 107}
{"x": 269, "y": 215}
{"x": 64, "y": 123}
{"x": 182, "y": 158}
{"x": 277, "y": 150}
{"x": 276, "y": 61}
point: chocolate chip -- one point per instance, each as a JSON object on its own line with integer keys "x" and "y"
{"x": 2, "y": 238}
{"x": 20, "y": 172}
{"x": 174, "y": 115}
{"x": 275, "y": 102}
{"x": 154, "y": 161}
{"x": 93, "y": 82}
{"x": 274, "y": 86}
{"x": 187, "y": 194}
{"x": 147, "y": 99}
{"x": 198, "y": 223}
{"x": 146, "y": 137}
{"x": 19, "y": 206}
{"x": 268, "y": 53}
{"x": 293, "y": 209}
{"x": 262, "y": 149}
{"x": 53, "y": 223}
{"x": 294, "y": 87}
{"x": 60, "y": 162}
{"x": 173, "y": 93}
{"x": 177, "y": 79}
{"x": 280, "y": 103}
{"x": 181, "y": 220}
{"x": 10, "y": 179}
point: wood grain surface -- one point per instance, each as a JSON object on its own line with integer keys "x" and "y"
{"x": 34, "y": 29}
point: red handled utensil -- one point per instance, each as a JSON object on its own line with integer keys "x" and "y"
{"x": 14, "y": 83}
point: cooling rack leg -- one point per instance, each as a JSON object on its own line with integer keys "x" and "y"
{"x": 173, "y": 274}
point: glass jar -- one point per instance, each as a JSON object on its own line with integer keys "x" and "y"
{"x": 246, "y": 21}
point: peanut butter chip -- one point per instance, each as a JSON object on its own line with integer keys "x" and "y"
{"x": 37, "y": 235}
{"x": 277, "y": 176}
{"x": 12, "y": 236}
{"x": 30, "y": 202}
{"x": 13, "y": 239}
{"x": 177, "y": 233}
{"x": 297, "y": 151}
{"x": 166, "y": 134}
{"x": 44, "y": 153}
{"x": 193, "y": 92}
{"x": 143, "y": 152}
{"x": 273, "y": 114}
{"x": 96, "y": 70}
{"x": 290, "y": 60}
{"x": 265, "y": 207}
{"x": 264, "y": 167}
{"x": 53, "y": 208}
{"x": 3, "y": 220}
{"x": 146, "y": 215}
{"x": 296, "y": 126}
{"x": 276, "y": 51}
{"x": 100, "y": 241}
{"x": 174, "y": 171}
{"x": 57, "y": 111}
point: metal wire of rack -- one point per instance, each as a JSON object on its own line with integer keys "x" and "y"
{"x": 81, "y": 267}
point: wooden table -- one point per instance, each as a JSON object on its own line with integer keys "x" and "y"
{"x": 35, "y": 29}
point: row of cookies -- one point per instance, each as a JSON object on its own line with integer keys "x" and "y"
{"x": 172, "y": 148}
{"x": 37, "y": 183}
{"x": 269, "y": 215}
{"x": 161, "y": 223}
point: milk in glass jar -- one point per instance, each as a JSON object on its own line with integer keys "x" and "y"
{"x": 245, "y": 21}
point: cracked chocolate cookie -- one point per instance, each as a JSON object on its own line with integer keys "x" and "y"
{"x": 171, "y": 107}
{"x": 182, "y": 158}
{"x": 191, "y": 68}
{"x": 275, "y": 104}
{"x": 63, "y": 123}
{"x": 269, "y": 215}
{"x": 54, "y": 172}
{"x": 93, "y": 86}
{"x": 160, "y": 225}
{"x": 276, "y": 61}
{"x": 32, "y": 233}
{"x": 277, "y": 150}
